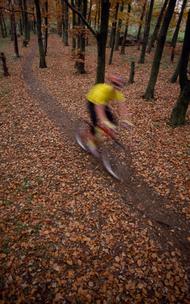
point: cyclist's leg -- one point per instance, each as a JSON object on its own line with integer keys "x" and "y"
{"x": 93, "y": 117}
{"x": 111, "y": 117}
{"x": 91, "y": 140}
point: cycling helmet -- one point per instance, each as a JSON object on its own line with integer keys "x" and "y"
{"x": 117, "y": 81}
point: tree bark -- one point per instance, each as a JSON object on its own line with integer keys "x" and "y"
{"x": 13, "y": 21}
{"x": 65, "y": 16}
{"x": 25, "y": 23}
{"x": 176, "y": 32}
{"x": 132, "y": 73}
{"x": 119, "y": 29}
{"x": 42, "y": 63}
{"x": 146, "y": 32}
{"x": 46, "y": 27}
{"x": 73, "y": 27}
{"x": 5, "y": 68}
{"x": 114, "y": 24}
{"x": 141, "y": 20}
{"x": 101, "y": 41}
{"x": 157, "y": 27}
{"x": 122, "y": 52}
{"x": 149, "y": 94}
{"x": 80, "y": 60}
{"x": 180, "y": 109}
{"x": 3, "y": 32}
{"x": 176, "y": 72}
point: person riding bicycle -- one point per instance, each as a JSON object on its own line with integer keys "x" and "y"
{"x": 98, "y": 100}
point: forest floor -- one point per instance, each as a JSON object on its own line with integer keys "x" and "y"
{"x": 69, "y": 232}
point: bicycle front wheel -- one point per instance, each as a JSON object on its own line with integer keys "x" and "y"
{"x": 81, "y": 134}
{"x": 114, "y": 160}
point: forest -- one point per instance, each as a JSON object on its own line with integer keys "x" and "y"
{"x": 70, "y": 232}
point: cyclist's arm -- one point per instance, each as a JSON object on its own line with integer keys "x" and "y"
{"x": 122, "y": 109}
{"x": 100, "y": 110}
{"x": 124, "y": 114}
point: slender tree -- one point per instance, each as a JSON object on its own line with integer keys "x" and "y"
{"x": 73, "y": 26}
{"x": 2, "y": 25}
{"x": 176, "y": 32}
{"x": 149, "y": 94}
{"x": 89, "y": 12}
{"x": 25, "y": 23}
{"x": 13, "y": 22}
{"x": 141, "y": 20}
{"x": 180, "y": 109}
{"x": 42, "y": 63}
{"x": 5, "y": 68}
{"x": 132, "y": 72}
{"x": 157, "y": 27}
{"x": 101, "y": 36}
{"x": 65, "y": 21}
{"x": 80, "y": 60}
{"x": 176, "y": 72}
{"x": 146, "y": 31}
{"x": 117, "y": 38}
{"x": 114, "y": 24}
{"x": 46, "y": 26}
{"x": 122, "y": 52}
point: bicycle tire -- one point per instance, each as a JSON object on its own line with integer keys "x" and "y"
{"x": 80, "y": 134}
{"x": 114, "y": 159}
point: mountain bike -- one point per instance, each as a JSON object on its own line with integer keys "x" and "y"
{"x": 111, "y": 151}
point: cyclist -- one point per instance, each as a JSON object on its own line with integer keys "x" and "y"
{"x": 98, "y": 100}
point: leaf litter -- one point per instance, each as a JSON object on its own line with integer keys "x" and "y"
{"x": 67, "y": 235}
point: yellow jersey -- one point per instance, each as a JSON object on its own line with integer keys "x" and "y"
{"x": 102, "y": 93}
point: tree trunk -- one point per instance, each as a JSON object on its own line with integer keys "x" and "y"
{"x": 21, "y": 22}
{"x": 149, "y": 94}
{"x": 80, "y": 61}
{"x": 4, "y": 26}
{"x": 73, "y": 26}
{"x": 132, "y": 72}
{"x": 175, "y": 35}
{"x": 65, "y": 16}
{"x": 176, "y": 72}
{"x": 89, "y": 11}
{"x": 101, "y": 41}
{"x": 122, "y": 52}
{"x": 114, "y": 24}
{"x": 13, "y": 21}
{"x": 42, "y": 63}
{"x": 141, "y": 20}
{"x": 46, "y": 27}
{"x": 34, "y": 21}
{"x": 3, "y": 33}
{"x": 59, "y": 18}
{"x": 25, "y": 23}
{"x": 180, "y": 109}
{"x": 5, "y": 68}
{"x": 119, "y": 29}
{"x": 146, "y": 31}
{"x": 157, "y": 27}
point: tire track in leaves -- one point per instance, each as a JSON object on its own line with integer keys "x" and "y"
{"x": 170, "y": 228}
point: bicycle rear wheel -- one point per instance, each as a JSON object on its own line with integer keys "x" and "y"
{"x": 114, "y": 159}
